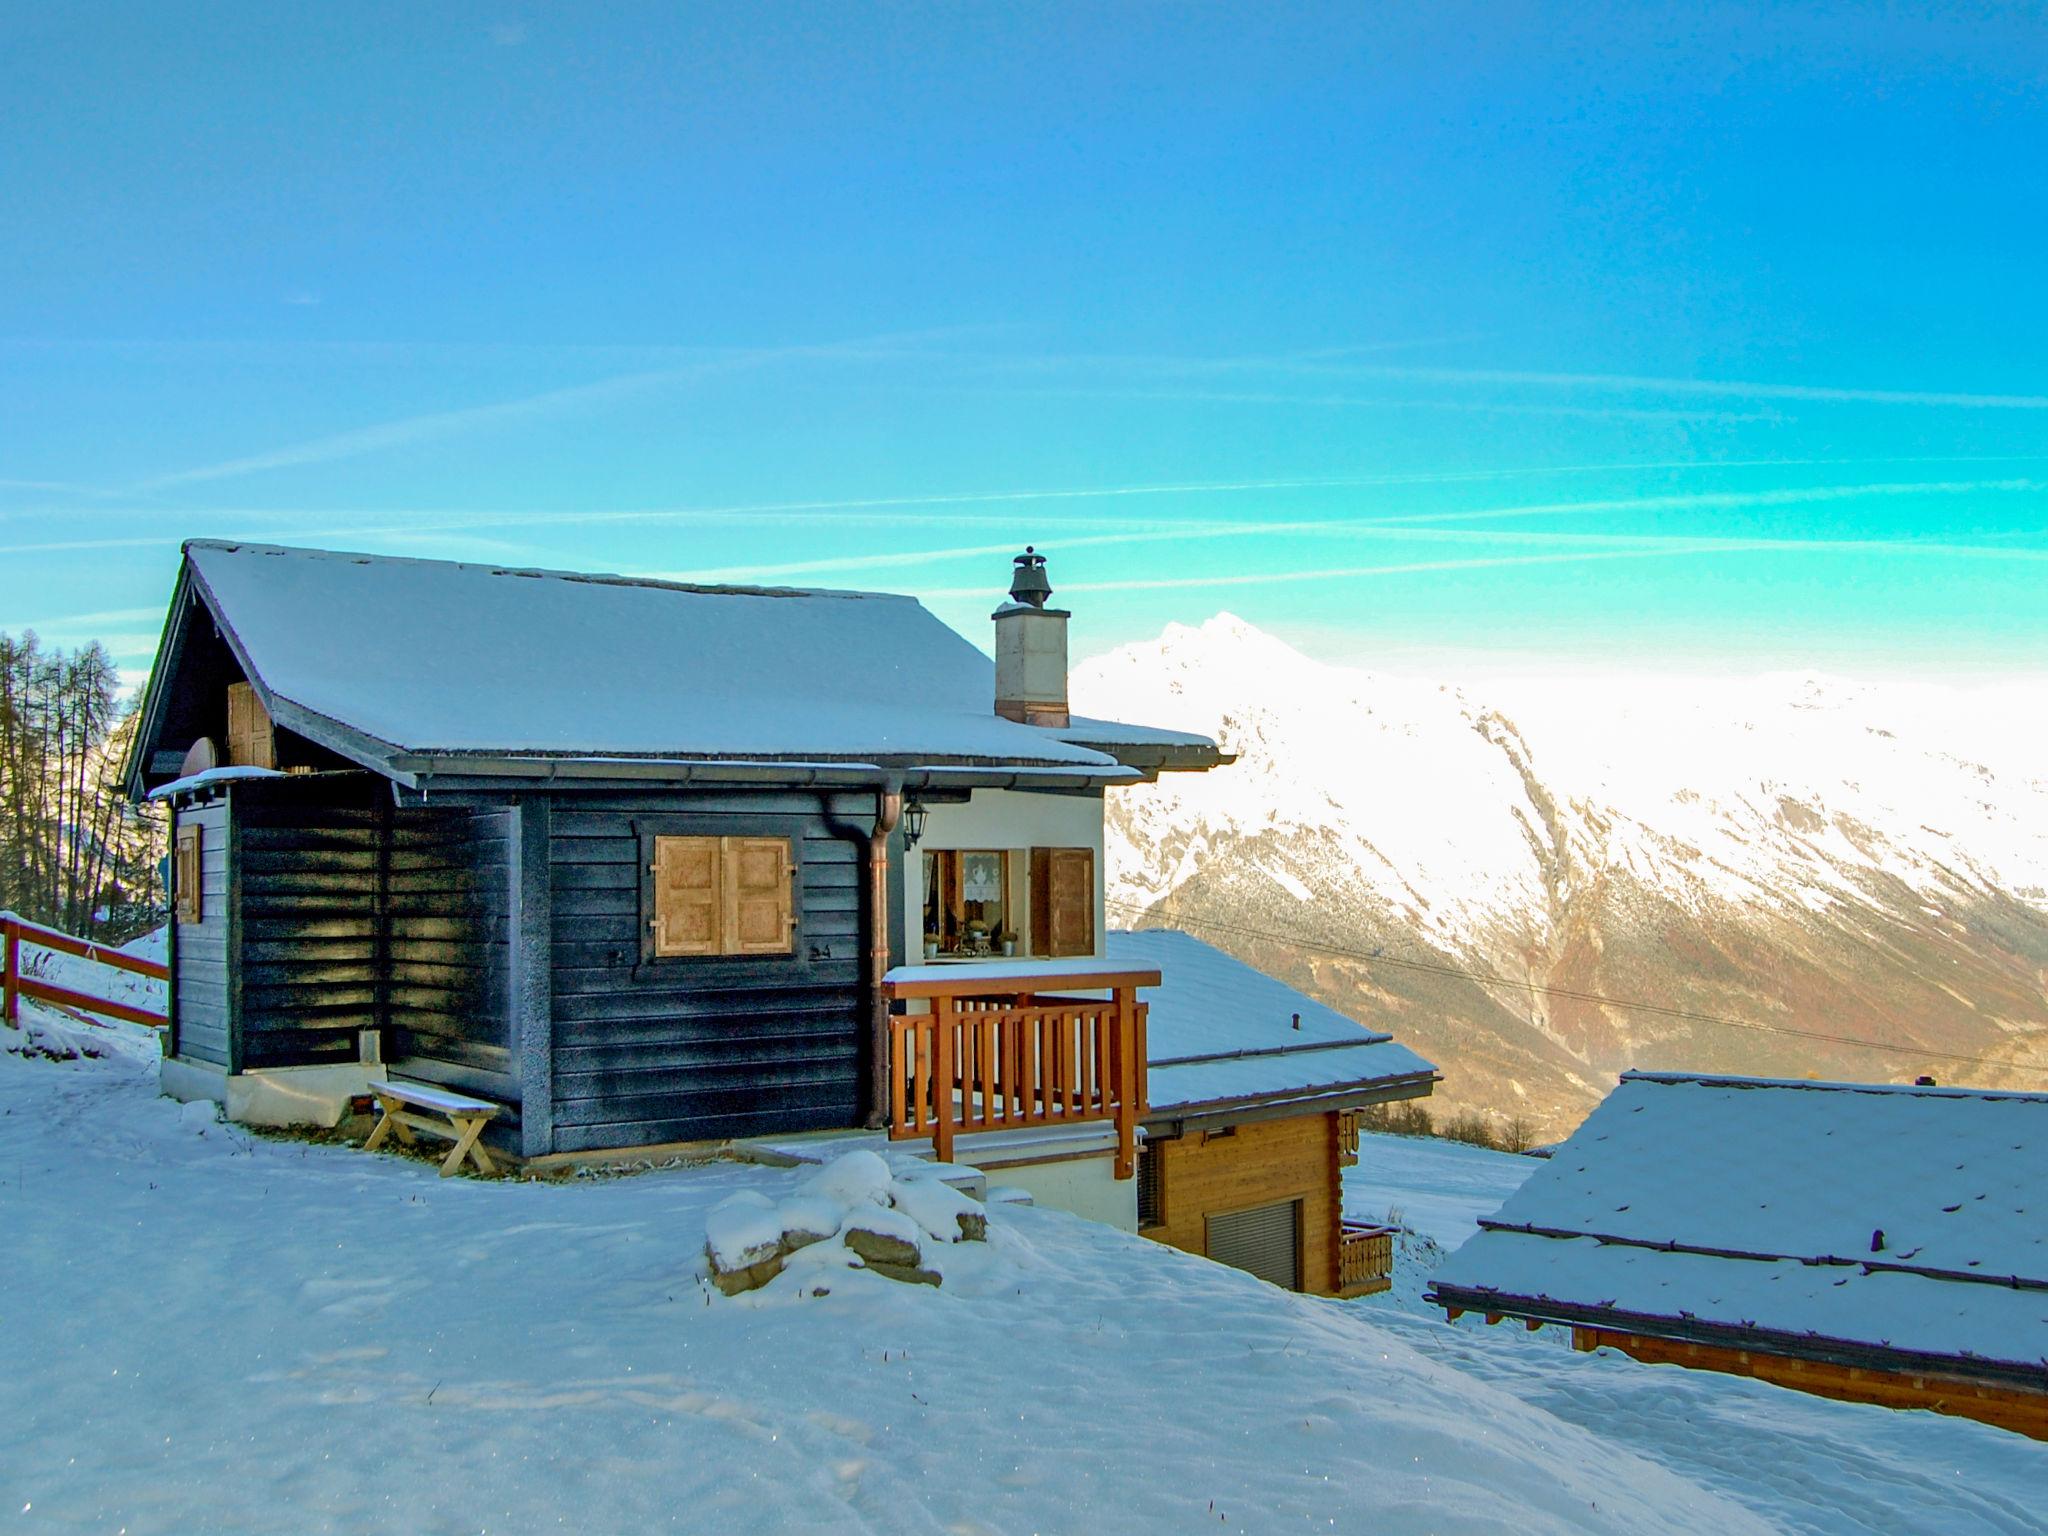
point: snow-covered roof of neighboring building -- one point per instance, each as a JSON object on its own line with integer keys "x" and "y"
{"x": 425, "y": 659}
{"x": 1220, "y": 1033}
{"x": 1884, "y": 1219}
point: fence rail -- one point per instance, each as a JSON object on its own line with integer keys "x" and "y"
{"x": 14, "y": 931}
{"x": 1004, "y": 1061}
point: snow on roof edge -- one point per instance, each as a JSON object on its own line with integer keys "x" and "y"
{"x": 1922, "y": 1090}
{"x": 591, "y": 578}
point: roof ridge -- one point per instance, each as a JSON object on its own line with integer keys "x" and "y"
{"x": 591, "y": 578}
{"x": 1915, "y": 1090}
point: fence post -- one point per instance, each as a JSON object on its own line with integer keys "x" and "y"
{"x": 942, "y": 1078}
{"x": 1126, "y": 1083}
{"x": 13, "y": 979}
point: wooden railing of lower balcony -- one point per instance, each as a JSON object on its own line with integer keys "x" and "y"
{"x": 1365, "y": 1258}
{"x": 991, "y": 1055}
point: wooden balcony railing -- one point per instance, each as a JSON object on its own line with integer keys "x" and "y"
{"x": 994, "y": 1055}
{"x": 15, "y": 985}
{"x": 1365, "y": 1258}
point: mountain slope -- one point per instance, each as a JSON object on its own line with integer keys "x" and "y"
{"x": 1818, "y": 857}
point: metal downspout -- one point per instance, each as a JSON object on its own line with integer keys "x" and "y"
{"x": 888, "y": 812}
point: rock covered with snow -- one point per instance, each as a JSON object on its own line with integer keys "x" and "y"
{"x": 855, "y": 1212}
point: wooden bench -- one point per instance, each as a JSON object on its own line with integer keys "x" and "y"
{"x": 461, "y": 1120}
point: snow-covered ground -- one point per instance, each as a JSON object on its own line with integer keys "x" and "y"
{"x": 211, "y": 1331}
{"x": 1800, "y": 1463}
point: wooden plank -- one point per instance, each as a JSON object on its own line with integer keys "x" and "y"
{"x": 531, "y": 968}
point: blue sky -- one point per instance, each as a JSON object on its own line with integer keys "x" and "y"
{"x": 1429, "y": 335}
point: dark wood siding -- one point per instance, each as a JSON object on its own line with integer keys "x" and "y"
{"x": 200, "y": 956}
{"x": 652, "y": 1050}
{"x": 310, "y": 879}
{"x": 448, "y": 904}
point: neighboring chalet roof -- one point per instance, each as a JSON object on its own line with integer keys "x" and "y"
{"x": 429, "y": 667}
{"x": 1852, "y": 1222}
{"x": 1221, "y": 1035}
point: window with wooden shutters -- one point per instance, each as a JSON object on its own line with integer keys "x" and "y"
{"x": 1062, "y": 901}
{"x": 188, "y": 875}
{"x": 722, "y": 896}
{"x": 251, "y": 741}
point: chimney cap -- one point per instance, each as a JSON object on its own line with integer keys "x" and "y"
{"x": 1028, "y": 583}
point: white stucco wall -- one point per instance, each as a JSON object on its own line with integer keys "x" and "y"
{"x": 1018, "y": 820}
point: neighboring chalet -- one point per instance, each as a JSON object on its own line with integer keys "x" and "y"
{"x": 1879, "y": 1243}
{"x": 1255, "y": 1099}
{"x": 642, "y": 863}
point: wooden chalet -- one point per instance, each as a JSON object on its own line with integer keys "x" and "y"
{"x": 1879, "y": 1243}
{"x": 643, "y": 863}
{"x": 1255, "y": 1094}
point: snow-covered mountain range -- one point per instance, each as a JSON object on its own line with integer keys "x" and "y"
{"x": 1819, "y": 857}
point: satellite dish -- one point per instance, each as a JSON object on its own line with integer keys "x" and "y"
{"x": 201, "y": 757}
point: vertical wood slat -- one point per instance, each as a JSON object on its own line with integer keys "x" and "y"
{"x": 942, "y": 1079}
{"x": 977, "y": 1064}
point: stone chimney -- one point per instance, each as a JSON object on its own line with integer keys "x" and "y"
{"x": 1031, "y": 648}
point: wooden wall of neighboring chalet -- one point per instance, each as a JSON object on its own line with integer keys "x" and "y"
{"x": 2013, "y": 1408}
{"x": 648, "y": 1051}
{"x": 1261, "y": 1163}
{"x": 202, "y": 978}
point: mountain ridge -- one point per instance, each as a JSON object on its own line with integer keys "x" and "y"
{"x": 1493, "y": 870}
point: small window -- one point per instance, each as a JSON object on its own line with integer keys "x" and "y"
{"x": 1151, "y": 1186}
{"x": 966, "y": 900}
{"x": 722, "y": 896}
{"x": 188, "y": 877}
{"x": 1062, "y": 901}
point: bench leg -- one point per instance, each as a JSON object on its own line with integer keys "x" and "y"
{"x": 387, "y": 1122}
{"x": 469, "y": 1128}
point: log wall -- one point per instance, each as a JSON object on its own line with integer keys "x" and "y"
{"x": 1204, "y": 1173}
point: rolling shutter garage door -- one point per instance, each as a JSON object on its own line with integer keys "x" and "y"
{"x": 1265, "y": 1240}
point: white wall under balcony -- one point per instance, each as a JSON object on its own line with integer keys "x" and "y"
{"x": 1017, "y": 820}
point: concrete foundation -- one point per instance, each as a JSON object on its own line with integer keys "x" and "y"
{"x": 277, "y": 1096}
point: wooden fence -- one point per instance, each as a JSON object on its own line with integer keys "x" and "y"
{"x": 1365, "y": 1259}
{"x": 992, "y": 1062}
{"x": 14, "y": 931}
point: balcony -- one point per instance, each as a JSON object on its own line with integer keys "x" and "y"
{"x": 987, "y": 1050}
{"x": 1365, "y": 1259}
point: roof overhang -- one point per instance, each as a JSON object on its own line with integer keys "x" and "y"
{"x": 1177, "y": 1119}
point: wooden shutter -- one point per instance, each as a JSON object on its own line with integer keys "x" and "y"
{"x": 688, "y": 894}
{"x": 758, "y": 918}
{"x": 188, "y": 874}
{"x": 251, "y": 741}
{"x": 1062, "y": 901}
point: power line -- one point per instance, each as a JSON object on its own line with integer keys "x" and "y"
{"x": 1486, "y": 978}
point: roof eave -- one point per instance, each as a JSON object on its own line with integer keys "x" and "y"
{"x": 1245, "y": 1108}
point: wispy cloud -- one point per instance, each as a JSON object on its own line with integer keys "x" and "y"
{"x": 436, "y": 425}
{"x": 1744, "y": 389}
{"x": 66, "y": 623}
{"x": 1671, "y": 414}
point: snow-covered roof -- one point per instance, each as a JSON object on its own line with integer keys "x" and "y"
{"x": 1894, "y": 1219}
{"x": 430, "y": 658}
{"x": 1220, "y": 1032}
{"x": 211, "y": 776}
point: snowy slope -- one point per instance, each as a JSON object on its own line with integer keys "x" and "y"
{"x": 232, "y": 1334}
{"x": 1795, "y": 851}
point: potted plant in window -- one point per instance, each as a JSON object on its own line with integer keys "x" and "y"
{"x": 1008, "y": 940}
